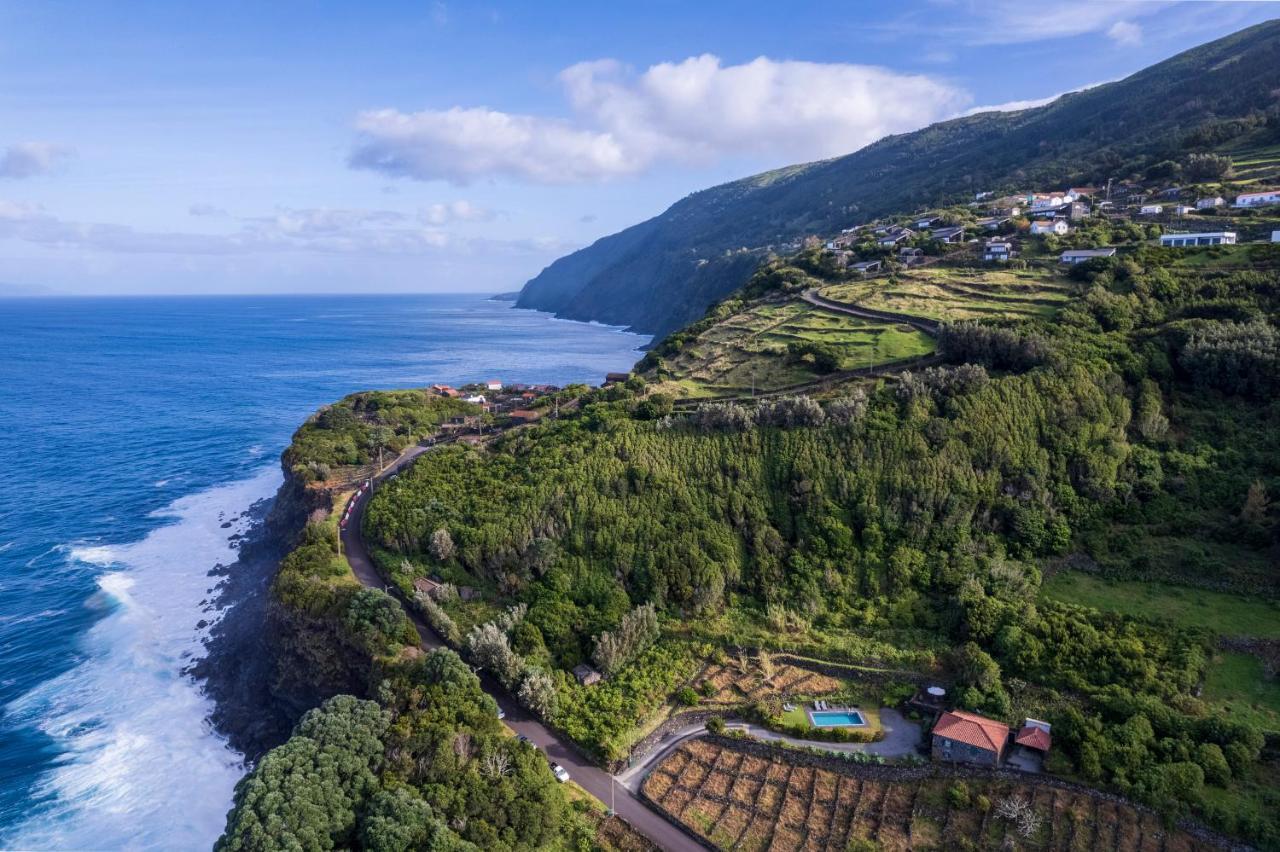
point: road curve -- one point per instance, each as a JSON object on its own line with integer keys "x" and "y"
{"x": 928, "y": 326}
{"x": 591, "y": 778}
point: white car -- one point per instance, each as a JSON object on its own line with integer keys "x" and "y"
{"x": 562, "y": 774}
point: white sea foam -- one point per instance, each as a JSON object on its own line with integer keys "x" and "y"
{"x": 140, "y": 767}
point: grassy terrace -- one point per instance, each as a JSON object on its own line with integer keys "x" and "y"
{"x": 750, "y": 348}
{"x": 1226, "y": 614}
{"x": 946, "y": 293}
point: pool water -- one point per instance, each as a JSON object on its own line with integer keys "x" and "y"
{"x": 836, "y": 718}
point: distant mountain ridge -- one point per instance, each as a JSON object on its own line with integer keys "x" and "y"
{"x": 662, "y": 273}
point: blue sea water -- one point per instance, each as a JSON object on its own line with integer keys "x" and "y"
{"x": 134, "y": 434}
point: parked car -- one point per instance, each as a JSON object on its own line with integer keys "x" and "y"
{"x": 562, "y": 774}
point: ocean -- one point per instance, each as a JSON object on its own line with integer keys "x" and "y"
{"x": 136, "y": 434}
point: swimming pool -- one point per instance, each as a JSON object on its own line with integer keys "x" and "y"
{"x": 836, "y": 718}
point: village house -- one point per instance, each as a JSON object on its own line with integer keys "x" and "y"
{"x": 962, "y": 737}
{"x": 1041, "y": 201}
{"x": 476, "y": 399}
{"x": 444, "y": 390}
{"x": 1054, "y": 226}
{"x": 525, "y": 415}
{"x": 1034, "y": 735}
{"x": 1077, "y": 210}
{"x": 1258, "y": 199}
{"x": 992, "y": 223}
{"x": 842, "y": 242}
{"x": 998, "y": 250}
{"x": 926, "y": 222}
{"x": 893, "y": 236}
{"x": 1212, "y": 238}
{"x": 1183, "y": 209}
{"x": 1210, "y": 203}
{"x": 1082, "y": 191}
{"x": 1151, "y": 210}
{"x": 910, "y": 256}
{"x": 866, "y": 267}
{"x": 1074, "y": 256}
{"x": 616, "y": 378}
{"x": 425, "y": 586}
{"x": 493, "y": 385}
{"x": 586, "y": 675}
{"x": 947, "y": 235}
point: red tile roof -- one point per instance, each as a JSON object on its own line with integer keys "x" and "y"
{"x": 972, "y": 729}
{"x": 1033, "y": 737}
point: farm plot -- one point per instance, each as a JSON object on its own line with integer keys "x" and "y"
{"x": 750, "y": 349}
{"x": 738, "y": 801}
{"x": 946, "y": 293}
{"x": 735, "y": 683}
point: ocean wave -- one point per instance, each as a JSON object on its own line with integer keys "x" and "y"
{"x": 140, "y": 766}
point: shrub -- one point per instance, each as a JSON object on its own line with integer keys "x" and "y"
{"x": 716, "y": 724}
{"x": 687, "y": 696}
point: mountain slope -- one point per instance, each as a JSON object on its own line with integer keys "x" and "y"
{"x": 662, "y": 273}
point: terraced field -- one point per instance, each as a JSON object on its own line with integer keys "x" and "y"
{"x": 749, "y": 349}
{"x": 743, "y": 801}
{"x": 950, "y": 294}
{"x": 1256, "y": 164}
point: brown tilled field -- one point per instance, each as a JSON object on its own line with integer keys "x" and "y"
{"x": 733, "y": 686}
{"x": 740, "y": 801}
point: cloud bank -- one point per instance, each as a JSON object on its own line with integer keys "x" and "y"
{"x": 690, "y": 112}
{"x": 29, "y": 159}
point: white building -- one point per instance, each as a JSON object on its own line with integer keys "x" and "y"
{"x": 1074, "y": 256}
{"x": 1151, "y": 210}
{"x": 476, "y": 399}
{"x": 1213, "y": 238}
{"x": 1258, "y": 199}
{"x": 1053, "y": 226}
{"x": 1275, "y": 236}
{"x": 1210, "y": 203}
{"x": 1183, "y": 209}
{"x": 493, "y": 385}
{"x": 998, "y": 250}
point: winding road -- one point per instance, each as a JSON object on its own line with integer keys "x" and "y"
{"x": 591, "y": 778}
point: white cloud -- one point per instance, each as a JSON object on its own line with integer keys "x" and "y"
{"x": 1014, "y": 106}
{"x": 321, "y": 230}
{"x": 28, "y": 159}
{"x": 694, "y": 111}
{"x": 455, "y": 211}
{"x": 1125, "y": 32}
{"x": 1015, "y": 21}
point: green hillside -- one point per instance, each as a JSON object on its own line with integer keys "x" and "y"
{"x": 663, "y": 273}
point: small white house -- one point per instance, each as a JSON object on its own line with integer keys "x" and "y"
{"x": 493, "y": 385}
{"x": 998, "y": 250}
{"x": 1258, "y": 199}
{"x": 476, "y": 399}
{"x": 1212, "y": 238}
{"x": 1210, "y": 203}
{"x": 1074, "y": 256}
{"x": 1151, "y": 210}
{"x": 1053, "y": 226}
{"x": 1183, "y": 209}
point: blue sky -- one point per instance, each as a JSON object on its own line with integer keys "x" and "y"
{"x": 169, "y": 147}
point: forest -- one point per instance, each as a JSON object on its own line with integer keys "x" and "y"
{"x": 919, "y": 514}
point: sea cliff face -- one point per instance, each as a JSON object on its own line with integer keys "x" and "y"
{"x": 269, "y": 662}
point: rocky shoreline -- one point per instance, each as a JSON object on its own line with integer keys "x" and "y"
{"x": 240, "y": 669}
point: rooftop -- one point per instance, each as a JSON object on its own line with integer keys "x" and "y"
{"x": 972, "y": 729}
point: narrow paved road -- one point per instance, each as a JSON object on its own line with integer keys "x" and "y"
{"x": 928, "y": 326}
{"x": 591, "y": 778}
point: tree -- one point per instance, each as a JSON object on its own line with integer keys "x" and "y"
{"x": 638, "y": 630}
{"x": 538, "y": 692}
{"x": 441, "y": 545}
{"x": 488, "y": 647}
{"x": 306, "y": 793}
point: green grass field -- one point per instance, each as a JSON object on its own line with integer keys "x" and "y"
{"x": 1226, "y": 614}
{"x": 749, "y": 349}
{"x": 1237, "y": 683}
{"x": 947, "y": 293}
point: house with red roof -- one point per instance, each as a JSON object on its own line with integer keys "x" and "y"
{"x": 1034, "y": 735}
{"x": 962, "y": 737}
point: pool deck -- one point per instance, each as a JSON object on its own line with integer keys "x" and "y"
{"x": 846, "y": 711}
